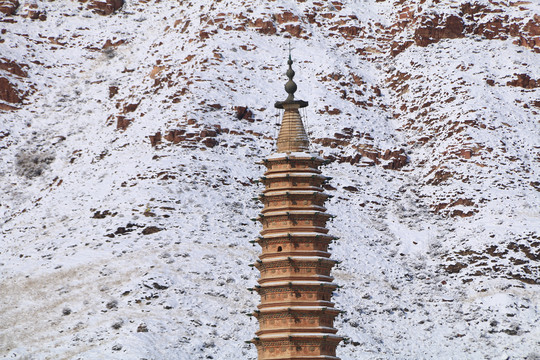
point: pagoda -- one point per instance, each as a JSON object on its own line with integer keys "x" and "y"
{"x": 296, "y": 314}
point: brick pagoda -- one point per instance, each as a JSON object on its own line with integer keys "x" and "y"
{"x": 296, "y": 314}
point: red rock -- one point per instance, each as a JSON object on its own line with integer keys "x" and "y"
{"x": 524, "y": 81}
{"x": 406, "y": 13}
{"x": 35, "y": 14}
{"x": 109, "y": 43}
{"x": 533, "y": 26}
{"x": 464, "y": 202}
{"x": 264, "y": 27}
{"x": 294, "y": 30}
{"x": 243, "y": 113}
{"x": 155, "y": 139}
{"x": 465, "y": 153}
{"x": 105, "y": 7}
{"x": 460, "y": 213}
{"x": 12, "y": 67}
{"x": 8, "y": 7}
{"x": 285, "y": 17}
{"x": 433, "y": 29}
{"x": 122, "y": 123}
{"x": 472, "y": 9}
{"x": 8, "y": 92}
{"x": 397, "y": 48}
{"x": 7, "y": 107}
{"x": 349, "y": 32}
{"x": 131, "y": 107}
{"x": 329, "y": 111}
{"x": 493, "y": 29}
{"x": 210, "y": 142}
{"x": 439, "y": 177}
{"x": 113, "y": 90}
{"x": 176, "y": 136}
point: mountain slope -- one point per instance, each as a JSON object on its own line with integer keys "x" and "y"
{"x": 130, "y": 165}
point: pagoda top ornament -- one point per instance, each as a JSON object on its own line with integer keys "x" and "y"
{"x": 290, "y": 88}
{"x": 292, "y": 134}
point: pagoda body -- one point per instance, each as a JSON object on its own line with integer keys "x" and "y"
{"x": 296, "y": 314}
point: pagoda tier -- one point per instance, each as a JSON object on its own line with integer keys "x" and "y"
{"x": 297, "y": 346}
{"x": 296, "y": 313}
{"x": 296, "y": 243}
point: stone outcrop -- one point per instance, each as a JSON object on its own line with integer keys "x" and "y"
{"x": 8, "y": 92}
{"x": 13, "y": 67}
{"x": 105, "y": 7}
{"x": 10, "y": 71}
{"x": 32, "y": 11}
{"x": 434, "y": 28}
{"x": 524, "y": 81}
{"x": 8, "y": 7}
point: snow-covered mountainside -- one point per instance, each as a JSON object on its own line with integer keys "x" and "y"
{"x": 129, "y": 136}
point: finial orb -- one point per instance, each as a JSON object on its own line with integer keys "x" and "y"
{"x": 290, "y": 73}
{"x": 290, "y": 87}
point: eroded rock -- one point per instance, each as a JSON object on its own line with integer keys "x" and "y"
{"x": 105, "y": 7}
{"x": 8, "y": 7}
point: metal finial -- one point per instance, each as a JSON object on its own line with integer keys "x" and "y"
{"x": 290, "y": 86}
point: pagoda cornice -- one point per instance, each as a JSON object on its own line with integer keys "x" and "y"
{"x": 297, "y": 330}
{"x": 323, "y": 254}
{"x": 294, "y": 156}
{"x": 321, "y": 303}
{"x": 302, "y": 335}
{"x": 298, "y": 234}
{"x": 298, "y": 283}
{"x": 298, "y": 308}
{"x": 281, "y": 188}
{"x": 295, "y": 212}
{"x": 295, "y": 174}
{"x": 291, "y": 229}
{"x": 299, "y": 258}
{"x": 294, "y": 192}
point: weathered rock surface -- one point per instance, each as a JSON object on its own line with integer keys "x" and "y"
{"x": 105, "y": 7}
{"x": 8, "y": 92}
{"x": 9, "y": 7}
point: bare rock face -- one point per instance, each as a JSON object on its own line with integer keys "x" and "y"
{"x": 8, "y": 92}
{"x": 524, "y": 81}
{"x": 105, "y": 7}
{"x": 33, "y": 11}
{"x": 8, "y": 7}
{"x": 264, "y": 27}
{"x": 12, "y": 67}
{"x": 433, "y": 29}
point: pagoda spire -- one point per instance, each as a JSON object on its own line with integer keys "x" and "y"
{"x": 292, "y": 134}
